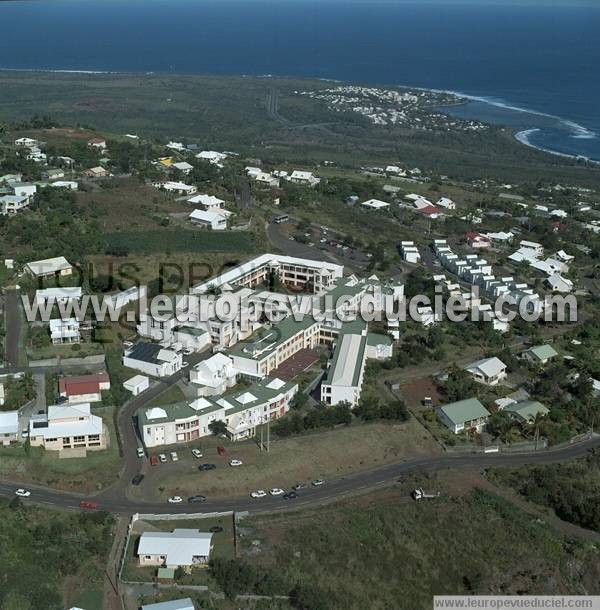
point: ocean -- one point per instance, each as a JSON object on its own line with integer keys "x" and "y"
{"x": 534, "y": 67}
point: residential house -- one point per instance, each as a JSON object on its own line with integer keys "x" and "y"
{"x": 558, "y": 283}
{"x": 23, "y": 189}
{"x": 410, "y": 253}
{"x": 26, "y": 142}
{"x": 9, "y": 427}
{"x": 68, "y": 427}
{"x": 83, "y": 389}
{"x": 65, "y": 184}
{"x": 64, "y": 331}
{"x": 214, "y": 375}
{"x": 180, "y": 548}
{"x": 375, "y": 204}
{"x": 50, "y": 267}
{"x": 11, "y": 204}
{"x": 489, "y": 371}
{"x": 212, "y": 156}
{"x": 216, "y": 221}
{"x": 532, "y": 245}
{"x": 209, "y": 203}
{"x": 467, "y": 414}
{"x": 477, "y": 240}
{"x": 58, "y": 295}
{"x": 304, "y": 178}
{"x": 97, "y": 143}
{"x": 152, "y": 359}
{"x": 53, "y": 174}
{"x": 175, "y": 604}
{"x": 540, "y": 354}
{"x": 445, "y": 202}
{"x": 96, "y": 172}
{"x": 183, "y": 166}
{"x": 137, "y": 384}
{"x": 178, "y": 188}
{"x": 526, "y": 411}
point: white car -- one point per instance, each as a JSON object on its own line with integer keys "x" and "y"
{"x": 276, "y": 491}
{"x": 318, "y": 482}
{"x": 185, "y": 364}
{"x": 261, "y": 493}
{"x": 175, "y": 500}
{"x": 197, "y": 453}
{"x": 235, "y": 462}
{"x": 162, "y": 457}
{"x": 188, "y": 351}
{"x": 22, "y": 493}
{"x": 174, "y": 456}
{"x": 140, "y": 452}
{"x": 127, "y": 343}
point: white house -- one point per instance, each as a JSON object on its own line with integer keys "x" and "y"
{"x": 50, "y": 267}
{"x": 540, "y": 354}
{"x": 216, "y": 221}
{"x": 214, "y": 375}
{"x": 212, "y": 156}
{"x": 179, "y": 188}
{"x": 210, "y": 203}
{"x": 558, "y": 283}
{"x": 23, "y": 189}
{"x": 305, "y": 178}
{"x": 179, "y": 548}
{"x": 58, "y": 295}
{"x": 26, "y": 142}
{"x": 137, "y": 384}
{"x": 68, "y": 427}
{"x": 183, "y": 166}
{"x": 152, "y": 359}
{"x": 410, "y": 253}
{"x": 97, "y": 143}
{"x": 375, "y": 204}
{"x": 11, "y": 204}
{"x": 533, "y": 245}
{"x": 9, "y": 427}
{"x": 65, "y": 184}
{"x": 64, "y": 331}
{"x": 445, "y": 202}
{"x": 467, "y": 414}
{"x": 489, "y": 370}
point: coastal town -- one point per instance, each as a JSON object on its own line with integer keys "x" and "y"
{"x": 190, "y": 426}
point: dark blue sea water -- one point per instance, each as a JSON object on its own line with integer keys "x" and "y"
{"x": 543, "y": 58}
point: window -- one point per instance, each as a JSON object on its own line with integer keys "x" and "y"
{"x": 79, "y": 439}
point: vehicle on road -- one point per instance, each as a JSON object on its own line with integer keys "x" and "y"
{"x": 174, "y": 456}
{"x": 22, "y": 493}
{"x": 140, "y": 452}
{"x": 25, "y": 433}
{"x": 195, "y": 499}
{"x": 197, "y": 453}
{"x": 290, "y": 495}
{"x": 276, "y": 491}
{"x": 221, "y": 450}
{"x": 88, "y": 504}
{"x": 421, "y": 494}
{"x": 137, "y": 479}
{"x": 188, "y": 351}
{"x": 185, "y": 364}
{"x": 299, "y": 486}
{"x": 215, "y": 529}
{"x": 318, "y": 482}
{"x": 175, "y": 500}
{"x": 207, "y": 467}
{"x": 259, "y": 493}
{"x": 235, "y": 462}
{"x": 162, "y": 457}
{"x": 154, "y": 460}
{"x": 127, "y": 343}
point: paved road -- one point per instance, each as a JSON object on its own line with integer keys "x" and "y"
{"x": 115, "y": 500}
{"x": 13, "y": 329}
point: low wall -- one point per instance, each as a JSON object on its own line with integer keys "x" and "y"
{"x": 58, "y": 361}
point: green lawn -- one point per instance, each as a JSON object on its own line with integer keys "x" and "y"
{"x": 73, "y": 350}
{"x": 137, "y": 242}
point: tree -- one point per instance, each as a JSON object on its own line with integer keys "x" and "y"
{"x": 218, "y": 427}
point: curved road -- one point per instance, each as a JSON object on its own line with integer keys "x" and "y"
{"x": 115, "y": 500}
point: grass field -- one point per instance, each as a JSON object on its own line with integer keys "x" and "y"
{"x": 386, "y": 551}
{"x": 180, "y": 241}
{"x": 35, "y": 465}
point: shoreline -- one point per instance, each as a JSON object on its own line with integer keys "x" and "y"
{"x": 462, "y": 99}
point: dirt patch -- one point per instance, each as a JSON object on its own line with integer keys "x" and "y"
{"x": 414, "y": 392}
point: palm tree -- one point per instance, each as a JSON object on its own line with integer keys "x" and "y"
{"x": 534, "y": 426}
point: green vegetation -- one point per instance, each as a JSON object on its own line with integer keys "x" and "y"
{"x": 571, "y": 489}
{"x": 18, "y": 391}
{"x": 452, "y": 545}
{"x": 178, "y": 241}
{"x": 42, "y": 548}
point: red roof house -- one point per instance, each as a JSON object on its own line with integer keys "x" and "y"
{"x": 87, "y": 388}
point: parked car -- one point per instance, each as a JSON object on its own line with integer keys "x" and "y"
{"x": 185, "y": 364}
{"x": 235, "y": 462}
{"x": 299, "y": 486}
{"x": 260, "y": 493}
{"x": 174, "y": 456}
{"x": 290, "y": 495}
{"x": 318, "y": 482}
{"x": 24, "y": 433}
{"x": 127, "y": 343}
{"x": 22, "y": 493}
{"x": 175, "y": 500}
{"x": 88, "y": 504}
{"x": 188, "y": 351}
{"x": 198, "y": 498}
{"x": 215, "y": 529}
{"x": 197, "y": 453}
{"x": 137, "y": 479}
{"x": 140, "y": 452}
{"x": 154, "y": 461}
{"x": 162, "y": 457}
{"x": 276, "y": 491}
{"x": 206, "y": 467}
{"x": 221, "y": 450}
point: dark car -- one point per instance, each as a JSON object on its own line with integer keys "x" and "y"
{"x": 299, "y": 486}
{"x": 215, "y": 529}
{"x": 290, "y": 495}
{"x": 207, "y": 467}
{"x": 137, "y": 479}
{"x": 195, "y": 499}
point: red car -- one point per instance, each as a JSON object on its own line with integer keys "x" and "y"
{"x": 88, "y": 504}
{"x": 154, "y": 461}
{"x": 221, "y": 450}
